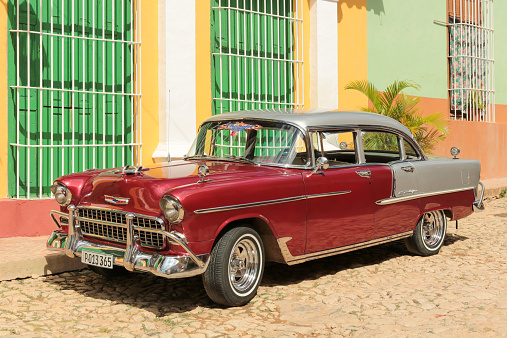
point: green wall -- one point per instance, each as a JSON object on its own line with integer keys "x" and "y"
{"x": 405, "y": 44}
{"x": 500, "y": 8}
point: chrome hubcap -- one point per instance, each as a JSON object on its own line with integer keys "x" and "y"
{"x": 244, "y": 264}
{"x": 433, "y": 229}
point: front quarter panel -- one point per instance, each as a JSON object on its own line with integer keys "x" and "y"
{"x": 79, "y": 184}
{"x": 286, "y": 219}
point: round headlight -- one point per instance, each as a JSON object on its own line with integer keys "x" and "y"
{"x": 62, "y": 194}
{"x": 172, "y": 209}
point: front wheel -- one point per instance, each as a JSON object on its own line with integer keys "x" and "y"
{"x": 235, "y": 268}
{"x": 428, "y": 235}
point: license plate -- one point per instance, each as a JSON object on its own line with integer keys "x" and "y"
{"x": 97, "y": 259}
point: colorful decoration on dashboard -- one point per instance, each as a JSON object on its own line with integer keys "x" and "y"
{"x": 239, "y": 126}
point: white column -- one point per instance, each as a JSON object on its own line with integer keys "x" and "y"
{"x": 177, "y": 84}
{"x": 324, "y": 54}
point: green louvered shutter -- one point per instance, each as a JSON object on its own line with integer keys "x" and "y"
{"x": 73, "y": 89}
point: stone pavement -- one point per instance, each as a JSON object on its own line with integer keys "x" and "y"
{"x": 377, "y": 291}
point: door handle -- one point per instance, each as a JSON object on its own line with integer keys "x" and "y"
{"x": 364, "y": 173}
{"x": 408, "y": 169}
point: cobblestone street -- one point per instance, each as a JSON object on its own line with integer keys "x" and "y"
{"x": 373, "y": 292}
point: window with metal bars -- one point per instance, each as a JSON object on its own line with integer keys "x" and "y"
{"x": 74, "y": 87}
{"x": 257, "y": 54}
{"x": 471, "y": 60}
{"x": 257, "y": 59}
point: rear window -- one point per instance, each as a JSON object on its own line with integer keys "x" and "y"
{"x": 380, "y": 147}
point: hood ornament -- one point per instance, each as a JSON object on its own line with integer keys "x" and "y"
{"x": 203, "y": 172}
{"x": 116, "y": 200}
{"x": 132, "y": 170}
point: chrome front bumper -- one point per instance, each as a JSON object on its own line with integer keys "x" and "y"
{"x": 132, "y": 257}
{"x": 478, "y": 205}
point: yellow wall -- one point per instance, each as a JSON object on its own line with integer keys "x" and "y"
{"x": 3, "y": 99}
{"x": 203, "y": 60}
{"x": 306, "y": 51}
{"x": 149, "y": 90}
{"x": 352, "y": 52}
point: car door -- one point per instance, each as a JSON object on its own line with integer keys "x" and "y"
{"x": 401, "y": 159}
{"x": 339, "y": 199}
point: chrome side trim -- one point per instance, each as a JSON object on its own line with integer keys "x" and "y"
{"x": 270, "y": 202}
{"x": 393, "y": 200}
{"x": 327, "y": 194}
{"x": 291, "y": 260}
{"x": 249, "y": 205}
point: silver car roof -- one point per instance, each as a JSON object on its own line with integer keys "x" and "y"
{"x": 317, "y": 119}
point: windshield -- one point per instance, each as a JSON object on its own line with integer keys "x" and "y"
{"x": 250, "y": 141}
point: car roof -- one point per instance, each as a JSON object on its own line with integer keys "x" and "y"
{"x": 317, "y": 118}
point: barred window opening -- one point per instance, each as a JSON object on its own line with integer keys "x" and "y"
{"x": 74, "y": 90}
{"x": 471, "y": 60}
{"x": 257, "y": 54}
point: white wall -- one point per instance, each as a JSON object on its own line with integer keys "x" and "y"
{"x": 177, "y": 78}
{"x": 324, "y": 54}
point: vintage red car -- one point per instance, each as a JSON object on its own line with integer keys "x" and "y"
{"x": 264, "y": 186}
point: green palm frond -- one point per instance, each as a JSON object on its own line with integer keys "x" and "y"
{"x": 370, "y": 91}
{"x": 393, "y": 90}
{"x": 392, "y": 102}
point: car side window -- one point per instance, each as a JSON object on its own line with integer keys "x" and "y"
{"x": 380, "y": 147}
{"x": 337, "y": 146}
{"x": 410, "y": 152}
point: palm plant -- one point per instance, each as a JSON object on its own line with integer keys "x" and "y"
{"x": 428, "y": 130}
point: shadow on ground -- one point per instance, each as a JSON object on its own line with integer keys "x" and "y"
{"x": 168, "y": 296}
{"x": 453, "y": 238}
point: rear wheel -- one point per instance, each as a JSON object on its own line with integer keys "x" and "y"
{"x": 235, "y": 268}
{"x": 114, "y": 272}
{"x": 429, "y": 234}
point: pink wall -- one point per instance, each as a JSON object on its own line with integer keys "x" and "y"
{"x": 26, "y": 218}
{"x": 486, "y": 142}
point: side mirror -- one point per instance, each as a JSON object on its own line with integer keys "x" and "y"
{"x": 321, "y": 163}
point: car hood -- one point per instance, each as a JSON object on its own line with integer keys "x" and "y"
{"x": 145, "y": 189}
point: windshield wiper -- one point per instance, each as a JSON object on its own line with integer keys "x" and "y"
{"x": 241, "y": 159}
{"x": 226, "y": 157}
{"x": 194, "y": 157}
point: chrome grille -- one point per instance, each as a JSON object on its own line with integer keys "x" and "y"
{"x": 118, "y": 233}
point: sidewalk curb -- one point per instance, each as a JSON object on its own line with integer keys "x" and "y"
{"x": 49, "y": 264}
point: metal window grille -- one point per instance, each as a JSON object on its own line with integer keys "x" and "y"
{"x": 75, "y": 89}
{"x": 257, "y": 61}
{"x": 471, "y": 60}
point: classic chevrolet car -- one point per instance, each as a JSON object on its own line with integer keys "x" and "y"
{"x": 264, "y": 186}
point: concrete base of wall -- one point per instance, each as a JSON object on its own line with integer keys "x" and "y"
{"x": 26, "y": 218}
{"x": 24, "y": 257}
